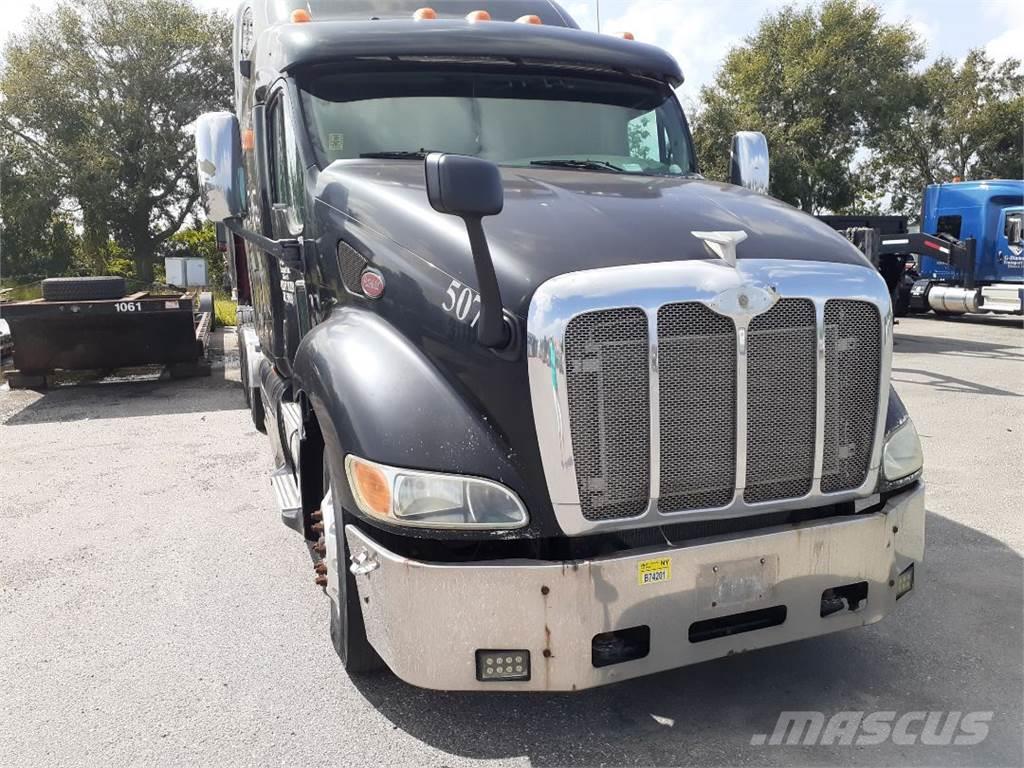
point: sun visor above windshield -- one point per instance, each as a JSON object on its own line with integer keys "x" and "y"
{"x": 292, "y": 47}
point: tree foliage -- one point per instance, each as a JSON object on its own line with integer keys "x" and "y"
{"x": 818, "y": 82}
{"x": 98, "y": 98}
{"x": 36, "y": 239}
{"x": 965, "y": 121}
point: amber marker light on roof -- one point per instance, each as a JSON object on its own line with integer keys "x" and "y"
{"x": 423, "y": 14}
{"x": 529, "y": 19}
{"x": 301, "y": 16}
{"x": 248, "y": 140}
{"x": 475, "y": 16}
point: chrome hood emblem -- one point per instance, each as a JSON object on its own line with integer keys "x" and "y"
{"x": 723, "y": 244}
{"x": 745, "y": 300}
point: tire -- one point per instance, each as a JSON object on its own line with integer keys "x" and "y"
{"x": 348, "y": 632}
{"x": 84, "y": 288}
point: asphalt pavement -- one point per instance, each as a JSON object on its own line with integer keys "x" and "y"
{"x": 155, "y": 611}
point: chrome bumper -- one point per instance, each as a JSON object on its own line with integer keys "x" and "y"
{"x": 427, "y": 620}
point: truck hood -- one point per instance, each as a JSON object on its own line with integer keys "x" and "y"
{"x": 558, "y": 221}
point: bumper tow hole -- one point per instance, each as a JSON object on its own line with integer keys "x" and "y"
{"x": 848, "y": 597}
{"x": 621, "y": 645}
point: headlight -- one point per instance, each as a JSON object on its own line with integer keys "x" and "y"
{"x": 902, "y": 458}
{"x": 432, "y": 499}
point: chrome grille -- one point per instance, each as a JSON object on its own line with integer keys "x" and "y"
{"x": 697, "y": 399}
{"x": 781, "y": 401}
{"x": 665, "y": 392}
{"x": 852, "y": 349}
{"x": 608, "y": 389}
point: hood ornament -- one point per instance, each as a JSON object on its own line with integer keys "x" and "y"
{"x": 723, "y": 244}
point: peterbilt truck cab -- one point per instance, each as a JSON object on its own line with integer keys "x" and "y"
{"x": 550, "y": 409}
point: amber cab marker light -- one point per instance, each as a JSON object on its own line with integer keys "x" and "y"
{"x": 424, "y": 14}
{"x": 476, "y": 16}
{"x": 627, "y": 35}
{"x": 372, "y": 487}
{"x": 248, "y": 140}
{"x": 301, "y": 16}
{"x": 529, "y": 19}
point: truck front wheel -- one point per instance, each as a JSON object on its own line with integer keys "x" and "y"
{"x": 348, "y": 632}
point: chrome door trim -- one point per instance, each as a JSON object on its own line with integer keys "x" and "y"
{"x": 713, "y": 283}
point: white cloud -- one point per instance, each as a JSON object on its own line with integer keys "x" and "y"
{"x": 698, "y": 35}
{"x": 1006, "y": 45}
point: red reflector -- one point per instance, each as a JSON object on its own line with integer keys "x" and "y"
{"x": 932, "y": 245}
{"x": 372, "y": 284}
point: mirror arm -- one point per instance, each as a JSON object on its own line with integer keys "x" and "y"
{"x": 288, "y": 252}
{"x": 491, "y": 330}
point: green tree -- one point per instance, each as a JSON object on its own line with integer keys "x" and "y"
{"x": 103, "y": 92}
{"x": 36, "y": 239}
{"x": 966, "y": 121}
{"x": 817, "y": 82}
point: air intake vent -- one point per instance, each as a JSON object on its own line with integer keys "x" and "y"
{"x": 697, "y": 393}
{"x": 351, "y": 264}
{"x": 781, "y": 399}
{"x": 606, "y": 364}
{"x": 852, "y": 354}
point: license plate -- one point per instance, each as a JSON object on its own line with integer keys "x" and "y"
{"x": 738, "y": 582}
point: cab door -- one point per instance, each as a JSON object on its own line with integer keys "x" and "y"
{"x": 287, "y": 221}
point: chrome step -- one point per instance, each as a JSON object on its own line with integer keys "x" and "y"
{"x": 289, "y": 500}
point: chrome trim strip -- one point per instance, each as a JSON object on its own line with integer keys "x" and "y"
{"x": 716, "y": 284}
{"x": 742, "y": 328}
{"x": 654, "y": 379}
{"x": 819, "y": 403}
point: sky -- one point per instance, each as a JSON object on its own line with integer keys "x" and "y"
{"x": 700, "y": 32}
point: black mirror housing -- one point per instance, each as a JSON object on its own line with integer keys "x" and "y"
{"x": 464, "y": 186}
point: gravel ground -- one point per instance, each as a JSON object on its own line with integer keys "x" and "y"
{"x": 154, "y": 610}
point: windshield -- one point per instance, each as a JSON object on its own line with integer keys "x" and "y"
{"x": 515, "y": 119}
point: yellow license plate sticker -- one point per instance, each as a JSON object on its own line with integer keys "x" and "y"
{"x": 654, "y": 571}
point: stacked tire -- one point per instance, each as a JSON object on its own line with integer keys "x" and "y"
{"x": 84, "y": 288}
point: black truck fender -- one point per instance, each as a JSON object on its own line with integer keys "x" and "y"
{"x": 378, "y": 397}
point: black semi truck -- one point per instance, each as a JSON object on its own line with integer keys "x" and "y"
{"x": 553, "y": 410}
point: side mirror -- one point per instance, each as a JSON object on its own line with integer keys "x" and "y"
{"x": 219, "y": 161}
{"x": 464, "y": 186}
{"x": 471, "y": 188}
{"x": 749, "y": 161}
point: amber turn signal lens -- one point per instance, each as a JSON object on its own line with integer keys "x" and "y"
{"x": 529, "y": 19}
{"x": 248, "y": 140}
{"x": 478, "y": 16}
{"x": 425, "y": 13}
{"x": 373, "y": 488}
{"x": 301, "y": 16}
{"x": 627, "y": 35}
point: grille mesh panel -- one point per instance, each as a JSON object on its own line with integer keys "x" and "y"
{"x": 852, "y": 355}
{"x": 781, "y": 394}
{"x": 697, "y": 394}
{"x": 606, "y": 364}
{"x": 351, "y": 263}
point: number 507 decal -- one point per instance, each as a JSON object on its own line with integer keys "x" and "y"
{"x": 462, "y": 302}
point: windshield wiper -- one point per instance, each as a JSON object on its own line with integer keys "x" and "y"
{"x": 398, "y": 154}
{"x": 586, "y": 165}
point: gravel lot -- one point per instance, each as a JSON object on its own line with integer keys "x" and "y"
{"x": 154, "y": 610}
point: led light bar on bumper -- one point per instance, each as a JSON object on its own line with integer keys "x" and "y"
{"x": 432, "y": 499}
{"x": 902, "y": 457}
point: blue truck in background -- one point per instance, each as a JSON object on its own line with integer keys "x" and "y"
{"x": 986, "y": 276}
{"x": 967, "y": 258}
